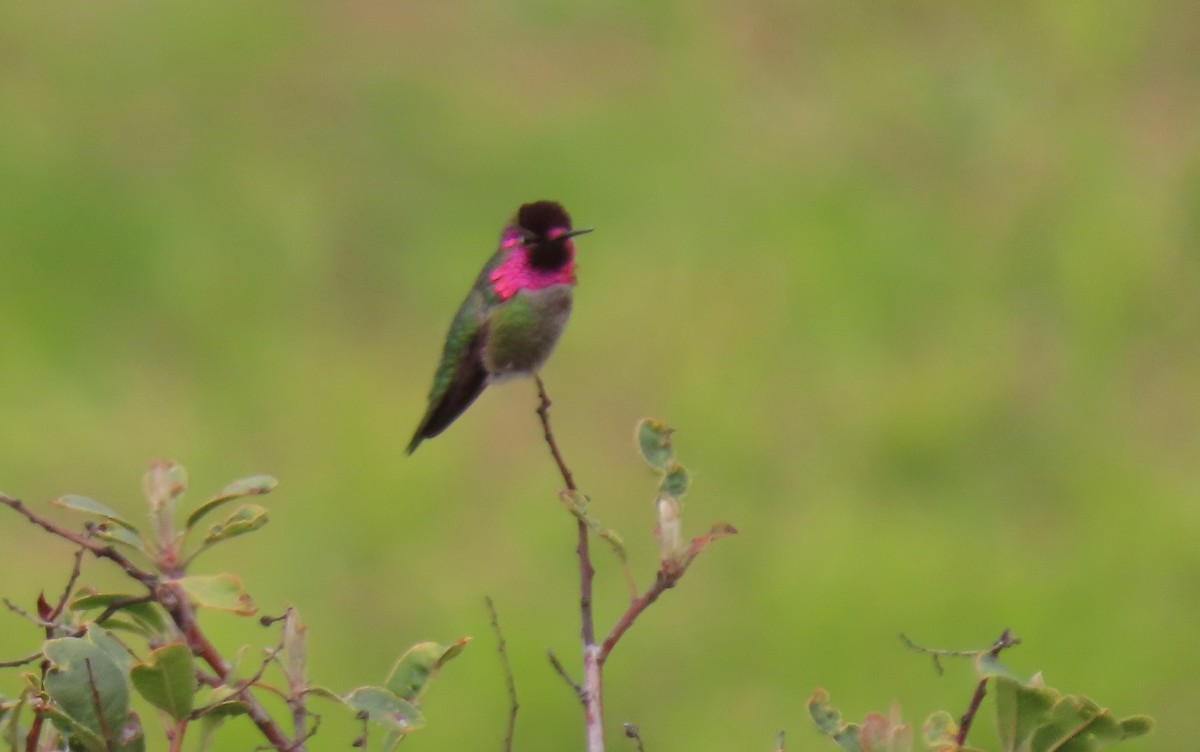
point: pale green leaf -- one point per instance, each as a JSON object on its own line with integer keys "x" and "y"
{"x": 386, "y": 709}
{"x": 223, "y": 592}
{"x": 654, "y": 442}
{"x": 89, "y": 689}
{"x": 413, "y": 671}
{"x": 91, "y": 506}
{"x": 258, "y": 484}
{"x": 167, "y": 679}
{"x": 248, "y": 518}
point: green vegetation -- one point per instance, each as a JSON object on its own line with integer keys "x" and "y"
{"x": 918, "y": 285}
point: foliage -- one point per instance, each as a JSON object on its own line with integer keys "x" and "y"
{"x": 1030, "y": 717}
{"x": 102, "y": 648}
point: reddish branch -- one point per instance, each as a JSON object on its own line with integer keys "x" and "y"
{"x": 662, "y": 582}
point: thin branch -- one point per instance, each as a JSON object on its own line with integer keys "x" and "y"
{"x": 593, "y": 705}
{"x": 76, "y": 568}
{"x": 558, "y": 667}
{"x": 543, "y": 412}
{"x": 99, "y": 550}
{"x": 27, "y": 616}
{"x": 21, "y": 661}
{"x": 502, "y": 649}
{"x": 586, "y": 572}
{"x": 664, "y": 581}
{"x": 937, "y": 653}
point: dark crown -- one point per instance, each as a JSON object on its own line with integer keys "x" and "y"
{"x": 538, "y": 217}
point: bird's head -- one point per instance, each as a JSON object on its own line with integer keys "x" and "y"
{"x": 546, "y": 231}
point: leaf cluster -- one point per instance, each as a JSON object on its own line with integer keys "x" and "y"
{"x": 103, "y": 649}
{"x": 1030, "y": 717}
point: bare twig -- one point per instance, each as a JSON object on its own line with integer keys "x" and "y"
{"x": 76, "y": 568}
{"x": 502, "y": 649}
{"x": 27, "y": 616}
{"x": 592, "y": 696}
{"x": 21, "y": 661}
{"x": 937, "y": 653}
{"x": 558, "y": 667}
{"x": 543, "y": 412}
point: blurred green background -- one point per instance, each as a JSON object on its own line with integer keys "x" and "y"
{"x": 918, "y": 285}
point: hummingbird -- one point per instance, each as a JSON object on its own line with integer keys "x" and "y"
{"x": 512, "y": 317}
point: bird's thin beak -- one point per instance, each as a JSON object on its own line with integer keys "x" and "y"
{"x": 573, "y": 233}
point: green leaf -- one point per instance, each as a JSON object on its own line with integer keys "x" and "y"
{"x": 654, "y": 442}
{"x": 114, "y": 648}
{"x": 988, "y": 665}
{"x": 91, "y": 506}
{"x": 825, "y": 716}
{"x": 167, "y": 679}
{"x": 1019, "y": 709}
{"x": 1136, "y": 725}
{"x": 294, "y": 658}
{"x": 1067, "y": 719}
{"x": 113, "y": 533}
{"x": 247, "y": 519}
{"x": 386, "y": 709}
{"x": 222, "y": 591}
{"x": 412, "y": 673}
{"x": 147, "y": 615}
{"x": 675, "y": 481}
{"x": 940, "y": 730}
{"x": 258, "y": 484}
{"x": 89, "y": 690}
{"x": 829, "y": 722}
{"x": 1034, "y": 718}
{"x": 222, "y": 702}
{"x": 324, "y": 693}
{"x": 218, "y": 705}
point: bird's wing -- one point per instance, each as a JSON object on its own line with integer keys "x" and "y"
{"x": 460, "y": 378}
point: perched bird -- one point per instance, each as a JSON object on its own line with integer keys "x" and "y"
{"x": 512, "y": 316}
